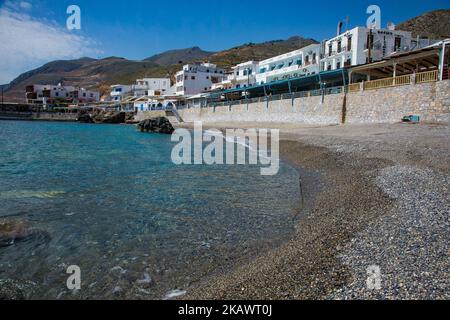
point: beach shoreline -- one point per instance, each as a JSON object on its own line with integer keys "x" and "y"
{"x": 329, "y": 253}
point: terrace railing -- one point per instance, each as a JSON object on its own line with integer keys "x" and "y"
{"x": 431, "y": 76}
{"x": 423, "y": 77}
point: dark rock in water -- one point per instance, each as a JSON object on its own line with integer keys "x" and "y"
{"x": 12, "y": 232}
{"x": 85, "y": 118}
{"x": 103, "y": 116}
{"x": 156, "y": 125}
{"x": 110, "y": 117}
{"x": 14, "y": 290}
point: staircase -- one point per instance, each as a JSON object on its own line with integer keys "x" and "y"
{"x": 173, "y": 115}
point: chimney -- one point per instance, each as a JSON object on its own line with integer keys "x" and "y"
{"x": 339, "y": 28}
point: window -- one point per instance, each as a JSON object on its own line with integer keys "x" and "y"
{"x": 262, "y": 70}
{"x": 84, "y": 94}
{"x": 338, "y": 65}
{"x": 370, "y": 39}
{"x": 193, "y": 78}
{"x": 339, "y": 46}
{"x": 207, "y": 77}
{"x": 348, "y": 62}
{"x": 330, "y": 49}
{"x": 398, "y": 43}
{"x": 329, "y": 67}
{"x": 57, "y": 94}
{"x": 314, "y": 57}
{"x": 299, "y": 62}
{"x": 349, "y": 43}
{"x": 307, "y": 59}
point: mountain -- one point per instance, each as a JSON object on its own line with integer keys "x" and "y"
{"x": 258, "y": 51}
{"x": 100, "y": 74}
{"x": 433, "y": 25}
{"x": 178, "y": 56}
{"x": 86, "y": 72}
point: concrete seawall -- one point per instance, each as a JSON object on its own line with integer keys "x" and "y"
{"x": 431, "y": 101}
{"x": 41, "y": 116}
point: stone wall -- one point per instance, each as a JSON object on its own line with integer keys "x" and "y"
{"x": 431, "y": 101}
{"x": 141, "y": 116}
{"x": 308, "y": 110}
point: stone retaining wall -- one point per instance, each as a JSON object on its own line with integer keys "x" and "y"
{"x": 430, "y": 101}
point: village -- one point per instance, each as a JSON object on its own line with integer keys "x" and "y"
{"x": 362, "y": 58}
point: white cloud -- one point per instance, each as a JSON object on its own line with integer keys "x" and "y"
{"x": 25, "y": 5}
{"x": 28, "y": 43}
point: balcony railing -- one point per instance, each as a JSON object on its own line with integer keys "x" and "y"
{"x": 430, "y": 76}
{"x": 423, "y": 77}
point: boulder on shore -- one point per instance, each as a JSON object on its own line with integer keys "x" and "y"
{"x": 156, "y": 125}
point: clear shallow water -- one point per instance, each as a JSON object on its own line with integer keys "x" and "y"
{"x": 108, "y": 199}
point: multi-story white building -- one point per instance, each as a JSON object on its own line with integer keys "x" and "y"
{"x": 120, "y": 91}
{"x": 151, "y": 87}
{"x": 39, "y": 93}
{"x": 293, "y": 64}
{"x": 362, "y": 45}
{"x": 243, "y": 75}
{"x": 197, "y": 78}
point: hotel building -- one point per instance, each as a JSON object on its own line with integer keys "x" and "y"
{"x": 198, "y": 78}
{"x": 295, "y": 64}
{"x": 362, "y": 45}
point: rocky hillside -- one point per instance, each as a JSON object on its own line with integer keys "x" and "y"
{"x": 433, "y": 25}
{"x": 180, "y": 56}
{"x": 100, "y": 74}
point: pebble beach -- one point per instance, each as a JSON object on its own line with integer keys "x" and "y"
{"x": 378, "y": 195}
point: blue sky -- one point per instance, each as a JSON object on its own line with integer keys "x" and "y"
{"x": 140, "y": 28}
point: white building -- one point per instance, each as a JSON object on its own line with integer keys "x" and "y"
{"x": 39, "y": 93}
{"x": 151, "y": 87}
{"x": 120, "y": 91}
{"x": 295, "y": 64}
{"x": 354, "y": 47}
{"x": 197, "y": 78}
{"x": 242, "y": 76}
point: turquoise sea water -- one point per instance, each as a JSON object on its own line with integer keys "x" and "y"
{"x": 108, "y": 199}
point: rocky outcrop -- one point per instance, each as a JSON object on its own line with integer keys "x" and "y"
{"x": 109, "y": 117}
{"x": 15, "y": 231}
{"x": 103, "y": 116}
{"x": 85, "y": 118}
{"x": 156, "y": 125}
